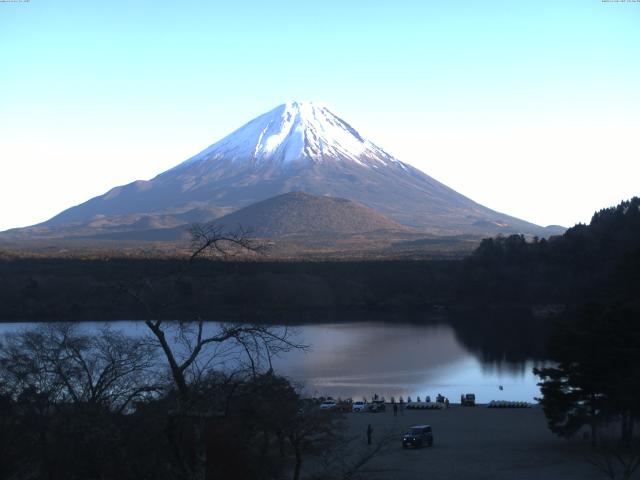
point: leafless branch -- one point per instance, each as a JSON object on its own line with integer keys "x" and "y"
{"x": 213, "y": 239}
{"x": 336, "y": 464}
{"x": 107, "y": 370}
{"x": 615, "y": 459}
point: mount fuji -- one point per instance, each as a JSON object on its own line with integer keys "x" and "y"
{"x": 297, "y": 146}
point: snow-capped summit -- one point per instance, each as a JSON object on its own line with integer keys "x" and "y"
{"x": 297, "y": 146}
{"x": 295, "y": 132}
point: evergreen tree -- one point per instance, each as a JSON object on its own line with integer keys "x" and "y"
{"x": 597, "y": 376}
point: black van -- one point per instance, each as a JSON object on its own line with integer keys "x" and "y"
{"x": 418, "y": 436}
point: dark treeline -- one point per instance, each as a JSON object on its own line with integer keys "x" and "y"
{"x": 595, "y": 262}
{"x": 600, "y": 261}
{"x": 78, "y": 289}
{"x": 592, "y": 388}
{"x": 597, "y": 375}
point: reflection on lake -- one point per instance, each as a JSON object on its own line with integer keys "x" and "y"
{"x": 362, "y": 358}
{"x": 356, "y": 359}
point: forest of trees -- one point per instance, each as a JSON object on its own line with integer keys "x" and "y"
{"x": 110, "y": 406}
{"x": 596, "y": 262}
{"x": 597, "y": 375}
{"x": 179, "y": 402}
{"x": 594, "y": 382}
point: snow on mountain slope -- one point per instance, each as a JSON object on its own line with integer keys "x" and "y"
{"x": 298, "y": 146}
{"x": 294, "y": 132}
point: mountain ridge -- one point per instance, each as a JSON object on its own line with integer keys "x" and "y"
{"x": 297, "y": 146}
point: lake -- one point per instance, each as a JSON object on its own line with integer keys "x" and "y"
{"x": 356, "y": 359}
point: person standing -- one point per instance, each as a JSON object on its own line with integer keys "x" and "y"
{"x": 369, "y": 434}
{"x": 401, "y": 407}
{"x": 395, "y": 409}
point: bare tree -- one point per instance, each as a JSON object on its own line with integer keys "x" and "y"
{"x": 258, "y": 343}
{"x": 108, "y": 370}
{"x": 615, "y": 459}
{"x": 71, "y": 395}
{"x": 193, "y": 348}
{"x": 211, "y": 239}
{"x": 312, "y": 430}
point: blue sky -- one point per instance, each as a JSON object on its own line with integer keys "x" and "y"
{"x": 531, "y": 108}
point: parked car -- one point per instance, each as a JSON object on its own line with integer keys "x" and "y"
{"x": 418, "y": 436}
{"x": 468, "y": 400}
{"x": 328, "y": 405}
{"x": 380, "y": 405}
{"x": 359, "y": 406}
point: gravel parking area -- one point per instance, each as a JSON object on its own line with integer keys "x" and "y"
{"x": 474, "y": 443}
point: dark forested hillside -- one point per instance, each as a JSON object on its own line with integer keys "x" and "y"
{"x": 77, "y": 289}
{"x": 595, "y": 262}
{"x": 599, "y": 261}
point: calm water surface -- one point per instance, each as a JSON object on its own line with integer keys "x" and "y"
{"x": 360, "y": 359}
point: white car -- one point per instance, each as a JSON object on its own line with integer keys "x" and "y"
{"x": 328, "y": 405}
{"x": 358, "y": 407}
